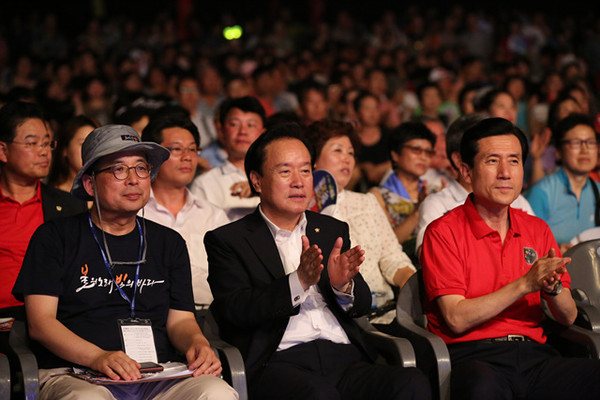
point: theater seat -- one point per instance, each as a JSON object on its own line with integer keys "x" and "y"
{"x": 4, "y": 377}
{"x": 431, "y": 351}
{"x": 584, "y": 270}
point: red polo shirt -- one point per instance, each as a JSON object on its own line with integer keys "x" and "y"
{"x": 463, "y": 255}
{"x": 17, "y": 224}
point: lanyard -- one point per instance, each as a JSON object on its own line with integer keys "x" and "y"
{"x": 109, "y": 269}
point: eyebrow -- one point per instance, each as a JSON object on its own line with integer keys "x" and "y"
{"x": 33, "y": 135}
{"x": 288, "y": 164}
{"x": 516, "y": 155}
{"x": 179, "y": 142}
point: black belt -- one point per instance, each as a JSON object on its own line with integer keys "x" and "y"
{"x": 508, "y": 338}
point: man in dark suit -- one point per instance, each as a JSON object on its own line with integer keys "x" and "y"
{"x": 286, "y": 287}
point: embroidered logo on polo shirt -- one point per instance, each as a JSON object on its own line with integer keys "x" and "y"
{"x": 530, "y": 255}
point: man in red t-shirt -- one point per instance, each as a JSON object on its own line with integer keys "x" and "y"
{"x": 485, "y": 266}
{"x": 26, "y": 144}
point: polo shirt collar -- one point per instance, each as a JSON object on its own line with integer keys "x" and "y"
{"x": 564, "y": 179}
{"x": 36, "y": 198}
{"x": 480, "y": 228}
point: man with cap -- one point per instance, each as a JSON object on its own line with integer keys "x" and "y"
{"x": 90, "y": 280}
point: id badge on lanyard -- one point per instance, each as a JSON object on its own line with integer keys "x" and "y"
{"x": 137, "y": 339}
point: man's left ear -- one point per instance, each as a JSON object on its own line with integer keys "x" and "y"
{"x": 255, "y": 180}
{"x": 88, "y": 184}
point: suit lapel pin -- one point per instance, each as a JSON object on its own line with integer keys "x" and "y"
{"x": 317, "y": 230}
{"x": 58, "y": 208}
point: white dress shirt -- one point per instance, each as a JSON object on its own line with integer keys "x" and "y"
{"x": 215, "y": 186}
{"x": 315, "y": 320}
{"x": 193, "y": 221}
{"x": 454, "y": 195}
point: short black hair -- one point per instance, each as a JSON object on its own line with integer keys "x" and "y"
{"x": 456, "y": 131}
{"x": 554, "y": 109}
{"x": 363, "y": 94}
{"x": 308, "y": 85}
{"x": 428, "y": 85}
{"x": 15, "y": 113}
{"x": 246, "y": 104}
{"x": 163, "y": 119}
{"x": 255, "y": 157}
{"x": 566, "y": 124}
{"x": 470, "y": 87}
{"x": 408, "y": 131}
{"x": 282, "y": 117}
{"x": 489, "y": 127}
{"x": 131, "y": 115}
{"x": 486, "y": 100}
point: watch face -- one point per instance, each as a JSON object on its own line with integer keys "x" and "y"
{"x": 558, "y": 288}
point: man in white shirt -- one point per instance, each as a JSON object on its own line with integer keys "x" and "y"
{"x": 286, "y": 287}
{"x": 456, "y": 191}
{"x": 242, "y": 121}
{"x": 173, "y": 205}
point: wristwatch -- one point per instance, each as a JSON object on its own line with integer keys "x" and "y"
{"x": 558, "y": 287}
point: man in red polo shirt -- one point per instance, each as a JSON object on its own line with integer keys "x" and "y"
{"x": 26, "y": 145}
{"x": 485, "y": 266}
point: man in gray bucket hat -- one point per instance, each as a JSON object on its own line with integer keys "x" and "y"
{"x": 108, "y": 290}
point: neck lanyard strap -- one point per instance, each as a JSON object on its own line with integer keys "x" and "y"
{"x": 109, "y": 266}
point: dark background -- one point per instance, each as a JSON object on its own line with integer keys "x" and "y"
{"x": 74, "y": 14}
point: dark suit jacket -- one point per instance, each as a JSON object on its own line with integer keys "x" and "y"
{"x": 252, "y": 300}
{"x": 56, "y": 203}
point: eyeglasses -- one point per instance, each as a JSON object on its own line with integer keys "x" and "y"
{"x": 177, "y": 151}
{"x": 419, "y": 150}
{"x": 121, "y": 171}
{"x": 577, "y": 143}
{"x": 37, "y": 144}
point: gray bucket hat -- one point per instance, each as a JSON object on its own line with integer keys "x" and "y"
{"x": 111, "y": 139}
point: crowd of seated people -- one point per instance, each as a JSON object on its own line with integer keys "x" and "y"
{"x": 385, "y": 107}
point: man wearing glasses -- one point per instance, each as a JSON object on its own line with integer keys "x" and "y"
{"x": 107, "y": 290}
{"x": 567, "y": 199}
{"x": 173, "y": 205}
{"x": 26, "y": 145}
